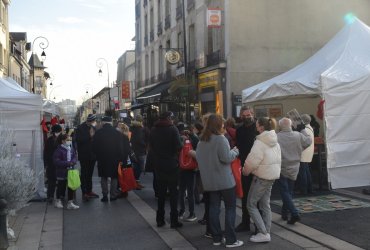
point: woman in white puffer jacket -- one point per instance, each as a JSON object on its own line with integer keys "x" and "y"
{"x": 264, "y": 162}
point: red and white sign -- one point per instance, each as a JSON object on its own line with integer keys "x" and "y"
{"x": 214, "y": 18}
{"x": 125, "y": 89}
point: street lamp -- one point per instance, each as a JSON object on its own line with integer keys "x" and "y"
{"x": 99, "y": 63}
{"x": 89, "y": 86}
{"x": 43, "y": 44}
{"x": 51, "y": 91}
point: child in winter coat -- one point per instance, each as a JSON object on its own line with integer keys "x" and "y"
{"x": 64, "y": 159}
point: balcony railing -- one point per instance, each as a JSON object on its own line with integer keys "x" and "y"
{"x": 159, "y": 29}
{"x": 191, "y": 4}
{"x": 215, "y": 58}
{"x": 160, "y": 77}
{"x": 167, "y": 22}
{"x": 151, "y": 35}
{"x": 179, "y": 12}
{"x": 145, "y": 40}
{"x": 152, "y": 80}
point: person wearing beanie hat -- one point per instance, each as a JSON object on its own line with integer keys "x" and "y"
{"x": 165, "y": 144}
{"x": 304, "y": 179}
{"x": 110, "y": 148}
{"x": 139, "y": 143}
{"x": 49, "y": 149}
{"x": 84, "y": 134}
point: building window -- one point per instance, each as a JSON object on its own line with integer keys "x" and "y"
{"x": 152, "y": 65}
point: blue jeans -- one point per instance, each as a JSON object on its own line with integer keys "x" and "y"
{"x": 260, "y": 193}
{"x": 139, "y": 166}
{"x": 304, "y": 178}
{"x": 229, "y": 198}
{"x": 187, "y": 182}
{"x": 286, "y": 191}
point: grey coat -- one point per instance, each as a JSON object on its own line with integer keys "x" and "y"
{"x": 292, "y": 143}
{"x": 214, "y": 162}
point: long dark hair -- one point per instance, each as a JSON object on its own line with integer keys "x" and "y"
{"x": 213, "y": 126}
{"x": 61, "y": 138}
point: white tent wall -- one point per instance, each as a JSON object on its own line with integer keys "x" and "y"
{"x": 347, "y": 118}
{"x": 21, "y": 112}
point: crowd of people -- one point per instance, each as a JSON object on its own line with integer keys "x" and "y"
{"x": 268, "y": 151}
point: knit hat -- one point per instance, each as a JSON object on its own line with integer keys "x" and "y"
{"x": 56, "y": 128}
{"x": 106, "y": 119}
{"x": 91, "y": 118}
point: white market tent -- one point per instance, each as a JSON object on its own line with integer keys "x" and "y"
{"x": 21, "y": 112}
{"x": 340, "y": 74}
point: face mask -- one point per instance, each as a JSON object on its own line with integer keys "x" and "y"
{"x": 57, "y": 134}
{"x": 248, "y": 120}
{"x": 93, "y": 124}
{"x": 68, "y": 143}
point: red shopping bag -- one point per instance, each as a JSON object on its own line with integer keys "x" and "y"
{"x": 236, "y": 168}
{"x": 126, "y": 178}
{"x": 187, "y": 162}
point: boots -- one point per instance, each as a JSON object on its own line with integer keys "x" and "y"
{"x": 174, "y": 220}
{"x": 160, "y": 219}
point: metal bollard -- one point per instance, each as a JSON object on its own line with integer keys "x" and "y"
{"x": 4, "y": 244}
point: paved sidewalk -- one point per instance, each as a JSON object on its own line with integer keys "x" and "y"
{"x": 130, "y": 224}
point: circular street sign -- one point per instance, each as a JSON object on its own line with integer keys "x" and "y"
{"x": 172, "y": 56}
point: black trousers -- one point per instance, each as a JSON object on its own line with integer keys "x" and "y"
{"x": 87, "y": 170}
{"x": 52, "y": 181}
{"x": 61, "y": 190}
{"x": 162, "y": 190}
{"x": 246, "y": 184}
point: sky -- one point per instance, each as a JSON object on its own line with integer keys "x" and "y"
{"x": 79, "y": 32}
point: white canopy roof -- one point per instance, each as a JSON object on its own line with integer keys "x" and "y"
{"x": 345, "y": 50}
{"x": 14, "y": 97}
{"x": 340, "y": 73}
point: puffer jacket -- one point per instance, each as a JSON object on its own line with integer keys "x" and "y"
{"x": 264, "y": 160}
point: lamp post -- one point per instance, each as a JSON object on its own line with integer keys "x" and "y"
{"x": 99, "y": 63}
{"x": 43, "y": 44}
{"x": 51, "y": 91}
{"x": 188, "y": 115}
{"x": 88, "y": 86}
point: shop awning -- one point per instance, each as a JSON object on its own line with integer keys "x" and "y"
{"x": 155, "y": 91}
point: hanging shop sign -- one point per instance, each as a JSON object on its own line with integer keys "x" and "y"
{"x": 214, "y": 18}
{"x": 125, "y": 89}
{"x": 172, "y": 56}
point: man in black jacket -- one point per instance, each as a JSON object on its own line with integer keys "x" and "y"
{"x": 165, "y": 144}
{"x": 139, "y": 143}
{"x": 245, "y": 137}
{"x": 110, "y": 148}
{"x": 50, "y": 147}
{"x": 84, "y": 135}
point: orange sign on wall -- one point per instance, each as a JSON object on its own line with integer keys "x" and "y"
{"x": 214, "y": 18}
{"x": 125, "y": 89}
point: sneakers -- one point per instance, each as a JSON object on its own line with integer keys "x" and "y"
{"x": 218, "y": 243}
{"x": 72, "y": 206}
{"x": 181, "y": 215}
{"x": 208, "y": 235}
{"x": 284, "y": 217}
{"x": 104, "y": 199}
{"x": 294, "y": 219}
{"x": 260, "y": 237}
{"x": 58, "y": 203}
{"x": 92, "y": 195}
{"x": 191, "y": 218}
{"x": 139, "y": 186}
{"x": 237, "y": 243}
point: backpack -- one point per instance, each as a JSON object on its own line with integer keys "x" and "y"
{"x": 187, "y": 162}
